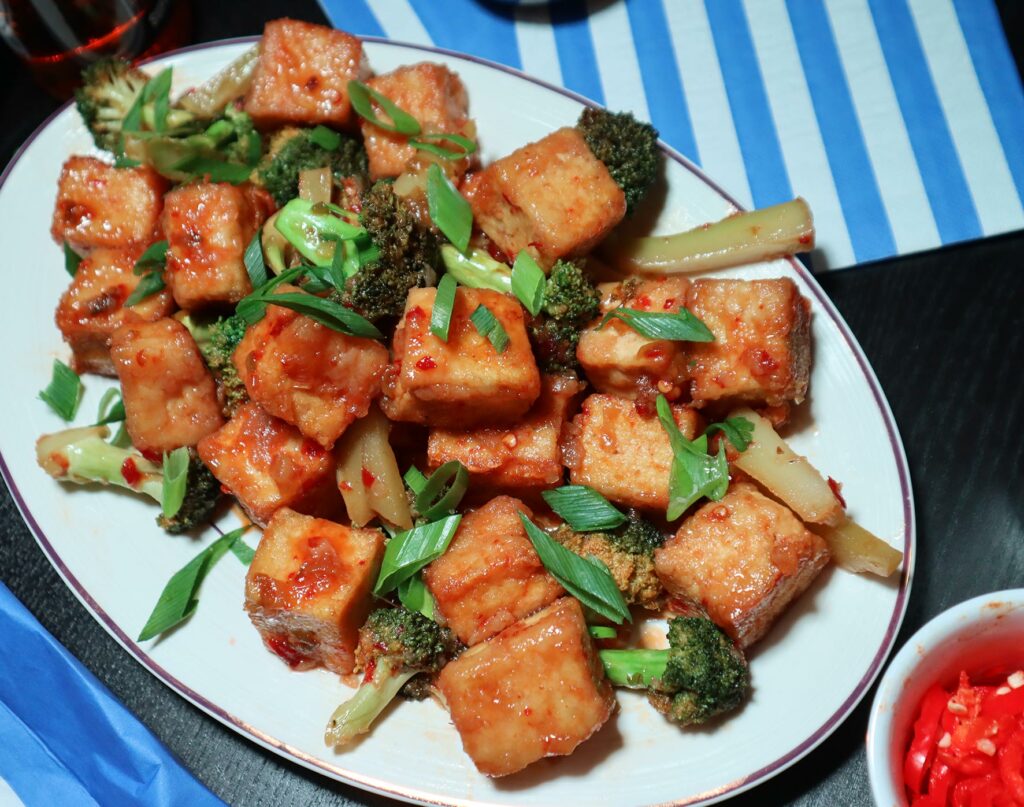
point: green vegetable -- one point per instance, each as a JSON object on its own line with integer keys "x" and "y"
{"x": 583, "y": 508}
{"x": 586, "y": 579}
{"x": 449, "y": 209}
{"x": 488, "y": 326}
{"x": 314, "y": 230}
{"x": 677, "y": 326}
{"x": 254, "y": 265}
{"x": 694, "y": 474}
{"x": 111, "y": 408}
{"x": 179, "y": 598}
{"x": 738, "y": 431}
{"x": 602, "y": 632}
{"x": 293, "y": 151}
{"x": 429, "y": 142}
{"x": 414, "y": 479}
{"x": 395, "y": 645}
{"x": 71, "y": 260}
{"x": 243, "y": 551}
{"x": 175, "y": 472}
{"x": 328, "y": 313}
{"x": 442, "y": 491}
{"x": 444, "y": 302}
{"x": 217, "y": 340}
{"x": 410, "y": 551}
{"x": 414, "y": 595}
{"x": 570, "y": 303}
{"x": 528, "y": 282}
{"x": 627, "y": 147}
{"x": 363, "y": 98}
{"x": 700, "y": 675}
{"x": 150, "y": 266}
{"x": 476, "y": 269}
{"x": 64, "y": 392}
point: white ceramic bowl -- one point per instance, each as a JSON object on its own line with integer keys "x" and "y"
{"x": 984, "y": 636}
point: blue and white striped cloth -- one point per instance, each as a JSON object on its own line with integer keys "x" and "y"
{"x": 901, "y": 121}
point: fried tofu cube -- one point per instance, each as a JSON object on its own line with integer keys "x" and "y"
{"x": 553, "y": 198}
{"x": 93, "y": 306}
{"x": 308, "y": 589}
{"x": 315, "y": 378}
{"x": 267, "y": 464}
{"x": 170, "y": 399}
{"x": 464, "y": 382}
{"x": 102, "y": 206}
{"x": 302, "y": 75}
{"x": 524, "y": 456}
{"x": 432, "y": 94}
{"x": 535, "y": 690}
{"x": 762, "y": 348}
{"x": 617, "y": 359}
{"x": 207, "y": 227}
{"x": 491, "y": 575}
{"x": 744, "y": 559}
{"x": 622, "y": 454}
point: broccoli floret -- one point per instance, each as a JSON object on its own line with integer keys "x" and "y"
{"x": 570, "y": 303}
{"x": 294, "y": 150}
{"x": 700, "y": 675}
{"x": 628, "y": 552}
{"x": 627, "y": 147}
{"x": 395, "y": 644}
{"x": 217, "y": 341}
{"x": 409, "y": 255}
{"x": 84, "y": 456}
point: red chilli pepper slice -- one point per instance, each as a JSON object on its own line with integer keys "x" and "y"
{"x": 1001, "y": 705}
{"x": 1011, "y": 766}
{"x": 926, "y": 735}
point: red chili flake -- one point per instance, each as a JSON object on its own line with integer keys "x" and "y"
{"x": 643, "y": 302}
{"x": 426, "y": 363}
{"x": 283, "y": 648}
{"x": 140, "y": 358}
{"x": 345, "y": 486}
{"x": 225, "y": 490}
{"x": 415, "y": 314}
{"x": 496, "y": 252}
{"x": 312, "y": 83}
{"x": 805, "y": 239}
{"x": 836, "y": 488}
{"x": 371, "y": 667}
{"x": 311, "y": 448}
{"x": 130, "y": 472}
{"x": 368, "y": 478}
{"x": 151, "y": 455}
{"x": 61, "y": 460}
{"x": 669, "y": 302}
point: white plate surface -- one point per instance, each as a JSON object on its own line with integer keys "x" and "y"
{"x": 807, "y": 675}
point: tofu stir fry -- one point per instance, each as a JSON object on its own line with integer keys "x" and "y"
{"x": 481, "y": 430}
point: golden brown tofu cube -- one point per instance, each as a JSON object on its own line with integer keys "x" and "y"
{"x": 93, "y": 306}
{"x": 553, "y": 198}
{"x": 622, "y": 454}
{"x": 307, "y": 374}
{"x": 744, "y": 559}
{"x": 170, "y": 399}
{"x": 617, "y": 359}
{"x": 463, "y": 382}
{"x": 267, "y": 464}
{"x": 308, "y": 589}
{"x": 521, "y": 457}
{"x": 432, "y": 94}
{"x": 490, "y": 576}
{"x": 302, "y": 75}
{"x": 207, "y": 227}
{"x": 535, "y": 690}
{"x": 762, "y": 348}
{"x": 102, "y": 206}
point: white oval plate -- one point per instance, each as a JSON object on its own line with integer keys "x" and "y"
{"x": 808, "y": 675}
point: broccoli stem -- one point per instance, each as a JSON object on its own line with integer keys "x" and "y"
{"x": 759, "y": 235}
{"x": 477, "y": 270}
{"x": 634, "y": 669}
{"x": 356, "y": 715}
{"x": 313, "y": 231}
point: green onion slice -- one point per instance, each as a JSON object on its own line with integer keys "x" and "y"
{"x": 155, "y": 257}
{"x": 443, "y": 491}
{"x": 528, "y": 282}
{"x": 602, "y": 632}
{"x": 71, "y": 260}
{"x": 677, "y": 326}
{"x": 694, "y": 474}
{"x": 175, "y": 481}
{"x": 487, "y": 325}
{"x": 327, "y": 312}
{"x": 414, "y": 595}
{"x": 429, "y": 142}
{"x": 158, "y": 90}
{"x": 64, "y": 392}
{"x": 583, "y": 508}
{"x": 738, "y": 431}
{"x": 241, "y": 550}
{"x": 444, "y": 303}
{"x": 150, "y": 266}
{"x": 414, "y": 479}
{"x": 327, "y": 139}
{"x": 410, "y": 551}
{"x": 363, "y": 98}
{"x": 151, "y": 283}
{"x": 254, "y": 264}
{"x": 449, "y": 209}
{"x": 214, "y": 170}
{"x": 586, "y": 579}
{"x": 111, "y": 408}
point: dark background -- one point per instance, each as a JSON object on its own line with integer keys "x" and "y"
{"x": 943, "y": 331}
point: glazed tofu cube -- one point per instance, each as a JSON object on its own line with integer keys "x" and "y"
{"x": 617, "y": 359}
{"x": 535, "y": 690}
{"x": 93, "y": 306}
{"x": 308, "y": 589}
{"x": 620, "y": 453}
{"x": 762, "y": 348}
{"x": 490, "y": 576}
{"x": 102, "y": 206}
{"x": 521, "y": 457}
{"x": 463, "y": 382}
{"x": 170, "y": 399}
{"x": 207, "y": 227}
{"x": 432, "y": 94}
{"x": 553, "y": 198}
{"x": 267, "y": 464}
{"x": 308, "y": 375}
{"x": 744, "y": 558}
{"x": 302, "y": 75}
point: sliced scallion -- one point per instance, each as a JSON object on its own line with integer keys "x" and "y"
{"x": 410, "y": 551}
{"x": 677, "y": 326}
{"x": 175, "y": 481}
{"x": 528, "y": 282}
{"x": 449, "y": 209}
{"x": 363, "y": 98}
{"x": 488, "y": 326}
{"x": 64, "y": 392}
{"x": 443, "y": 491}
{"x": 444, "y": 303}
{"x": 583, "y": 508}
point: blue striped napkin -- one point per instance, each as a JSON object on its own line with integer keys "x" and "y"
{"x": 65, "y": 740}
{"x": 900, "y": 121}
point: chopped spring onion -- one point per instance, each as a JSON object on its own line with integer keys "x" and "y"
{"x": 429, "y": 142}
{"x": 414, "y": 595}
{"x": 150, "y": 266}
{"x": 694, "y": 473}
{"x": 414, "y": 479}
{"x": 487, "y": 325}
{"x": 64, "y": 392}
{"x": 241, "y": 550}
{"x": 214, "y": 170}
{"x": 175, "y": 481}
{"x": 410, "y": 551}
{"x": 449, "y": 209}
{"x": 363, "y": 98}
{"x": 158, "y": 90}
{"x": 71, "y": 259}
{"x": 327, "y": 312}
{"x": 443, "y": 491}
{"x": 738, "y": 431}
{"x": 583, "y": 508}
{"x": 586, "y": 579}
{"x": 325, "y": 138}
{"x": 602, "y": 632}
{"x": 444, "y": 302}
{"x": 528, "y": 282}
{"x": 111, "y": 408}
{"x": 254, "y": 264}
{"x": 678, "y": 326}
